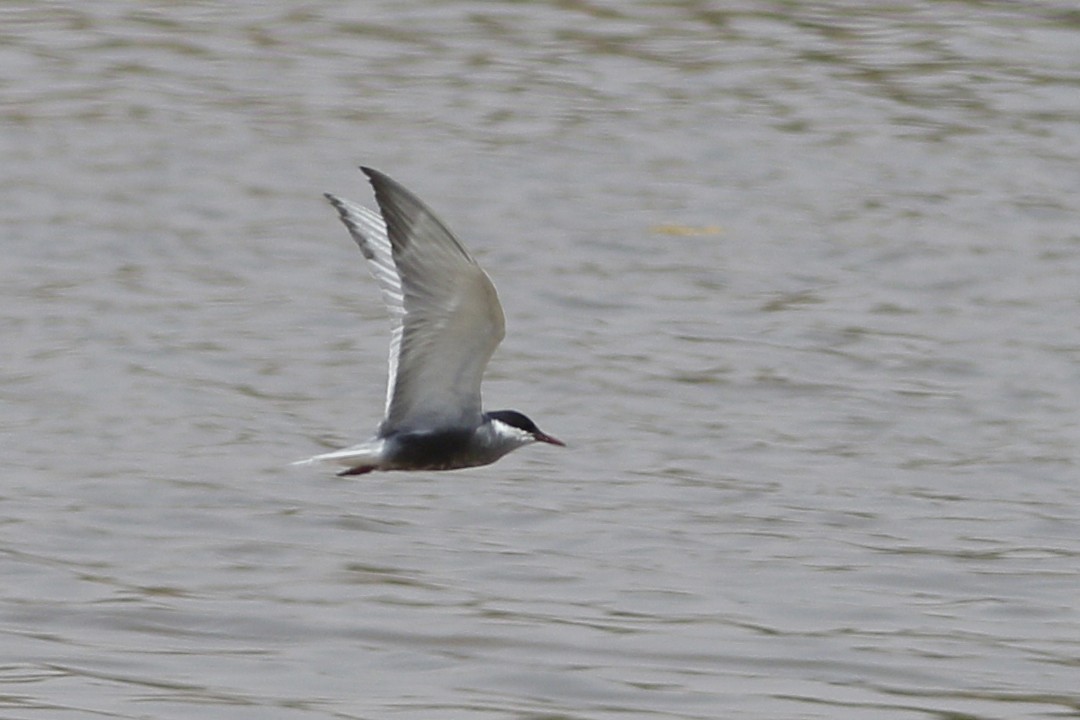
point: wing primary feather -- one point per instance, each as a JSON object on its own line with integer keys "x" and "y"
{"x": 403, "y": 211}
{"x": 368, "y": 230}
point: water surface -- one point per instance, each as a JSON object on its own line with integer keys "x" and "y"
{"x": 796, "y": 281}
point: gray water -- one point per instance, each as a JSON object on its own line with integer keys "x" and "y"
{"x": 796, "y": 281}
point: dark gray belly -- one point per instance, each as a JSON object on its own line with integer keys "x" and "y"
{"x": 436, "y": 450}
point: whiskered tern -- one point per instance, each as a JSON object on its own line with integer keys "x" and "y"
{"x": 447, "y": 322}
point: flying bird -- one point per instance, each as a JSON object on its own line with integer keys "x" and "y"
{"x": 446, "y": 323}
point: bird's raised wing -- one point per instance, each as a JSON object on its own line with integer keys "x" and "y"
{"x": 369, "y": 231}
{"x": 447, "y": 320}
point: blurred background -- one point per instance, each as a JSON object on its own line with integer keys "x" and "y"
{"x": 796, "y": 281}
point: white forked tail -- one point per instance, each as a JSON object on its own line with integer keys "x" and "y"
{"x": 364, "y": 454}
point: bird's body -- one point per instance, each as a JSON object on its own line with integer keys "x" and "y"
{"x": 447, "y": 322}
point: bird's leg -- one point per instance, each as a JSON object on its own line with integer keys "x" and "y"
{"x": 359, "y": 470}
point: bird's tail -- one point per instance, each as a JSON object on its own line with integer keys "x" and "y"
{"x": 367, "y": 454}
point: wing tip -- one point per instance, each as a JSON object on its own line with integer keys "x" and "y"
{"x": 353, "y": 223}
{"x": 334, "y": 200}
{"x": 390, "y": 191}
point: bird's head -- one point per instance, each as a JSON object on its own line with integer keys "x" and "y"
{"x": 515, "y": 423}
